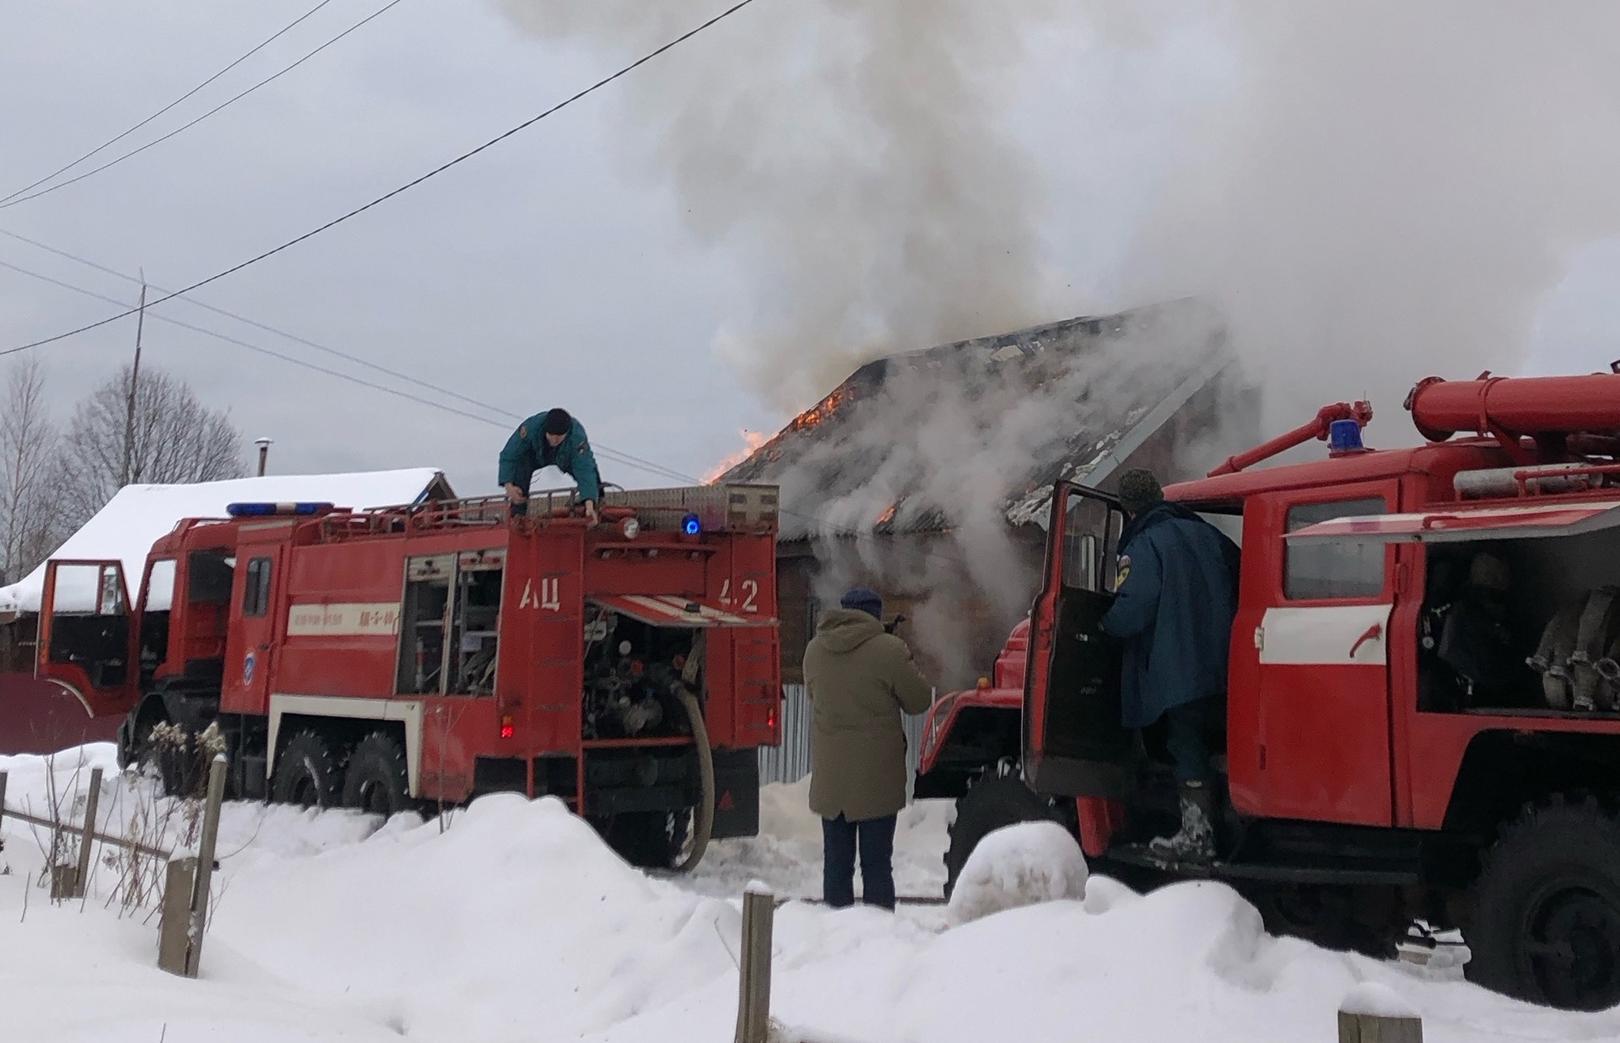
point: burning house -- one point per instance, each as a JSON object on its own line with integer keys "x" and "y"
{"x": 927, "y": 474}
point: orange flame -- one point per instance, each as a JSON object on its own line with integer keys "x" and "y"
{"x": 820, "y": 411}
{"x": 752, "y": 440}
{"x": 887, "y": 516}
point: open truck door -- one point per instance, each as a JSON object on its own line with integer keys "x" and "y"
{"x": 1074, "y": 743}
{"x": 86, "y": 636}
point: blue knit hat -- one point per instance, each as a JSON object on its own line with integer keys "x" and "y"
{"x": 863, "y": 599}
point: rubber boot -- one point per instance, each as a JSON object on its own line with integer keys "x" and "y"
{"x": 1195, "y": 842}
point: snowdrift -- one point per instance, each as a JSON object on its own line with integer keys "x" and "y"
{"x": 518, "y": 924}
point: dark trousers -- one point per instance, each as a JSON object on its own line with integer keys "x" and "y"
{"x": 875, "y": 838}
{"x": 1188, "y": 738}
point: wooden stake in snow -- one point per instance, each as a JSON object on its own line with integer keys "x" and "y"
{"x": 754, "y": 993}
{"x": 1374, "y": 1013}
{"x": 174, "y": 928}
{"x": 205, "y": 862}
{"x": 87, "y": 838}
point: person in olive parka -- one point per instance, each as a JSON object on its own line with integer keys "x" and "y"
{"x": 861, "y": 680}
{"x": 549, "y": 439}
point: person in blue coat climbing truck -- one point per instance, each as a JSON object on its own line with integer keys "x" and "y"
{"x": 549, "y": 439}
{"x": 1175, "y": 598}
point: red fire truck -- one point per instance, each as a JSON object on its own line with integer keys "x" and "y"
{"x": 1423, "y": 711}
{"x": 382, "y": 659}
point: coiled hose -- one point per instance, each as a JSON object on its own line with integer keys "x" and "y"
{"x": 704, "y": 824}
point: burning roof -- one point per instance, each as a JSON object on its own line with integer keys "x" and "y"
{"x": 916, "y": 441}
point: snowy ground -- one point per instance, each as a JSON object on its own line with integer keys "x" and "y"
{"x": 517, "y": 924}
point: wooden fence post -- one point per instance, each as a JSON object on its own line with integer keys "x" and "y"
{"x": 205, "y": 863}
{"x": 174, "y": 928}
{"x": 87, "y": 838}
{"x": 754, "y": 992}
{"x": 1374, "y": 1014}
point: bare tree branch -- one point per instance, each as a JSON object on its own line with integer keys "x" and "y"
{"x": 176, "y": 440}
{"x": 31, "y": 524}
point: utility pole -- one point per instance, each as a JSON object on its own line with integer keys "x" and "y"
{"x": 134, "y": 380}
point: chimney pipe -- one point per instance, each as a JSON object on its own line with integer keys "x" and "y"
{"x": 264, "y": 453}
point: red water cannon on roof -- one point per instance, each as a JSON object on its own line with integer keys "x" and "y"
{"x": 1319, "y": 428}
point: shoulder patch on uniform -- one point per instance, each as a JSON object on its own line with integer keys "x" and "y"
{"x": 523, "y": 430}
{"x": 584, "y": 447}
{"x": 1123, "y": 571}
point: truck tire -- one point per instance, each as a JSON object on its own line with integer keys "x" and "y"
{"x": 1345, "y": 919}
{"x": 377, "y": 780}
{"x": 1546, "y": 908}
{"x": 649, "y": 839}
{"x": 306, "y": 774}
{"x": 988, "y": 805}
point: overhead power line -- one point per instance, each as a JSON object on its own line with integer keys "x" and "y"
{"x": 641, "y": 463}
{"x": 93, "y": 171}
{"x": 261, "y": 45}
{"x": 463, "y": 157}
{"x": 617, "y": 455}
{"x": 264, "y": 326}
{"x": 627, "y": 459}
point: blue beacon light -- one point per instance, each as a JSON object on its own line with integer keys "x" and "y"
{"x": 263, "y": 510}
{"x": 691, "y": 525}
{"x": 1344, "y": 438}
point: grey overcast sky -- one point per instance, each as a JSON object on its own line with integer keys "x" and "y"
{"x": 568, "y": 265}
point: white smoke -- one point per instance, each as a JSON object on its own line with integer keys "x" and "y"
{"x": 1384, "y": 189}
{"x": 1369, "y": 191}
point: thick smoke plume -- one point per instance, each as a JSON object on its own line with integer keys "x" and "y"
{"x": 1380, "y": 190}
{"x": 849, "y": 154}
{"x": 1367, "y": 191}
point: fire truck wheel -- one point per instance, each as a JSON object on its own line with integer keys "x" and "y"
{"x": 1546, "y": 908}
{"x": 988, "y": 805}
{"x": 1347, "y": 919}
{"x": 376, "y": 780}
{"x": 649, "y": 839}
{"x": 305, "y": 774}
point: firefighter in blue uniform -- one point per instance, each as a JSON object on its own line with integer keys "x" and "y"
{"x": 1175, "y": 598}
{"x": 549, "y": 439}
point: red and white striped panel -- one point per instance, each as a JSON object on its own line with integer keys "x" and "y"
{"x": 672, "y": 610}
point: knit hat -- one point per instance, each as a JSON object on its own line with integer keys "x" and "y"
{"x": 558, "y": 422}
{"x": 863, "y": 599}
{"x": 1139, "y": 490}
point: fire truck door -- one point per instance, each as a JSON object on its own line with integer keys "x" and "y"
{"x": 253, "y": 638}
{"x": 1074, "y": 743}
{"x": 86, "y": 641}
{"x": 1322, "y": 642}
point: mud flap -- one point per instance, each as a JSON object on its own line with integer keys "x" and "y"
{"x": 736, "y": 793}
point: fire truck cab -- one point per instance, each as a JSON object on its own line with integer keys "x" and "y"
{"x": 394, "y": 658}
{"x": 1422, "y": 719}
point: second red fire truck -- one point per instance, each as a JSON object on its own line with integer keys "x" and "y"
{"x": 387, "y": 659}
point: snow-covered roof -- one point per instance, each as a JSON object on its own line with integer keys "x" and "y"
{"x": 138, "y": 515}
{"x": 927, "y": 440}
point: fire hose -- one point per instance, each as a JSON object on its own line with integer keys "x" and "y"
{"x": 703, "y": 816}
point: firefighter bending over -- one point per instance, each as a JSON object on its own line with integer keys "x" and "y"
{"x": 1176, "y": 598}
{"x": 549, "y": 439}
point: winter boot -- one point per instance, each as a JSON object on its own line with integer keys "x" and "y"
{"x": 1196, "y": 840}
